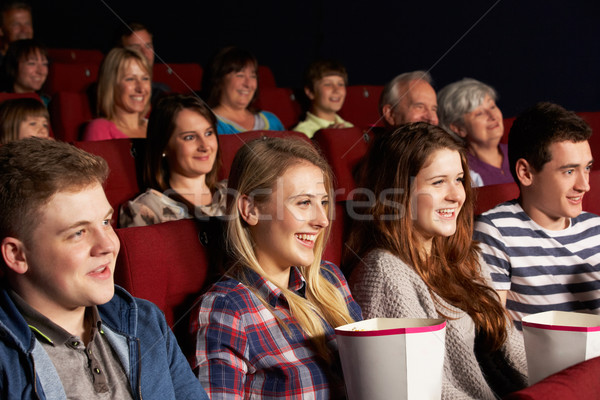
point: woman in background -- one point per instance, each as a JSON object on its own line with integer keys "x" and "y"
{"x": 266, "y": 330}
{"x": 26, "y": 68}
{"x": 23, "y": 118}
{"x": 233, "y": 90}
{"x": 468, "y": 109}
{"x": 182, "y": 161}
{"x": 123, "y": 96}
{"x": 414, "y": 257}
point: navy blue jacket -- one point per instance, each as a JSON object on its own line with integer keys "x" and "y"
{"x": 135, "y": 328}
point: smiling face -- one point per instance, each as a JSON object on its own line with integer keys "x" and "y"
{"x": 16, "y": 25}
{"x": 483, "y": 126}
{"x": 290, "y": 221}
{"x": 71, "y": 254}
{"x": 328, "y": 96}
{"x": 239, "y": 88}
{"x": 438, "y": 195}
{"x": 417, "y": 103}
{"x": 555, "y": 193}
{"x": 133, "y": 90}
{"x": 32, "y": 73}
{"x": 192, "y": 148}
{"x": 34, "y": 127}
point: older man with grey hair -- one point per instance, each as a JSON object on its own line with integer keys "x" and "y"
{"x": 409, "y": 97}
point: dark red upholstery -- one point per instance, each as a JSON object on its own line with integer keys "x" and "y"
{"x": 75, "y": 56}
{"x": 71, "y": 77}
{"x": 265, "y": 77}
{"x": 335, "y": 245}
{"x": 182, "y": 78}
{"x": 121, "y": 184}
{"x": 282, "y": 103}
{"x": 362, "y": 106}
{"x": 164, "y": 263}
{"x": 593, "y": 119}
{"x": 230, "y": 144}
{"x": 344, "y": 149}
{"x": 487, "y": 197}
{"x": 581, "y": 381}
{"x": 507, "y": 125}
{"x": 69, "y": 112}
{"x": 9, "y": 96}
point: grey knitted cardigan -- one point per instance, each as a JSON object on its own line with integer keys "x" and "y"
{"x": 384, "y": 286}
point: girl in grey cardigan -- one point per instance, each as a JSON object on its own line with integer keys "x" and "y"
{"x": 413, "y": 257}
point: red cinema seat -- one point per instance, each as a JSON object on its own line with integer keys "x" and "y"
{"x": 591, "y": 200}
{"x": 593, "y": 119}
{"x": 488, "y": 197}
{"x": 166, "y": 264}
{"x": 507, "y": 125}
{"x": 265, "y": 77}
{"x": 361, "y": 106}
{"x": 71, "y": 77}
{"x": 577, "y": 382}
{"x": 122, "y": 183}
{"x": 69, "y": 112}
{"x": 230, "y": 144}
{"x": 335, "y": 245}
{"x": 184, "y": 78}
{"x": 282, "y": 103}
{"x": 9, "y": 96}
{"x": 344, "y": 149}
{"x": 75, "y": 56}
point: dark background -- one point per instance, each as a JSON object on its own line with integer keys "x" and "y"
{"x": 528, "y": 50}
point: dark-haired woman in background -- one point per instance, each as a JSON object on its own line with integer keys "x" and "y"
{"x": 233, "y": 89}
{"x": 26, "y": 68}
{"x": 182, "y": 161}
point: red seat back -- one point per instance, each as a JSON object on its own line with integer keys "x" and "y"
{"x": 75, "y": 56}
{"x": 344, "y": 149}
{"x": 164, "y": 263}
{"x": 361, "y": 106}
{"x": 230, "y": 144}
{"x": 182, "y": 78}
{"x": 10, "y": 96}
{"x": 579, "y": 381}
{"x": 265, "y": 77}
{"x": 593, "y": 119}
{"x": 487, "y": 197}
{"x": 69, "y": 77}
{"x": 282, "y": 103}
{"x": 121, "y": 184}
{"x": 69, "y": 112}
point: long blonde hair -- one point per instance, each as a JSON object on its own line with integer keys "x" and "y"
{"x": 255, "y": 170}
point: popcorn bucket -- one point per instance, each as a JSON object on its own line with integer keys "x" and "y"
{"x": 393, "y": 358}
{"x": 555, "y": 340}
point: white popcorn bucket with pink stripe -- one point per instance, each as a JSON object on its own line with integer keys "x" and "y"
{"x": 393, "y": 358}
{"x": 555, "y": 340}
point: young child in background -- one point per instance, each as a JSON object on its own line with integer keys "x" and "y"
{"x": 325, "y": 86}
{"x": 23, "y": 118}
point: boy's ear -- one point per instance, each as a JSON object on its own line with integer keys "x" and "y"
{"x": 309, "y": 93}
{"x": 248, "y": 210}
{"x": 13, "y": 253}
{"x": 524, "y": 172}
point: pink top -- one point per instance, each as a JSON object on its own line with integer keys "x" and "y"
{"x": 102, "y": 129}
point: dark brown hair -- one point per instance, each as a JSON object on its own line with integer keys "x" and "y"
{"x": 451, "y": 270}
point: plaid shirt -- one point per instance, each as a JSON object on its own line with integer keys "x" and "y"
{"x": 241, "y": 350}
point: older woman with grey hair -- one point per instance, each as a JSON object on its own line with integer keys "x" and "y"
{"x": 468, "y": 109}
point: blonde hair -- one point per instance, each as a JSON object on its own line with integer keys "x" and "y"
{"x": 111, "y": 72}
{"x": 255, "y": 169}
